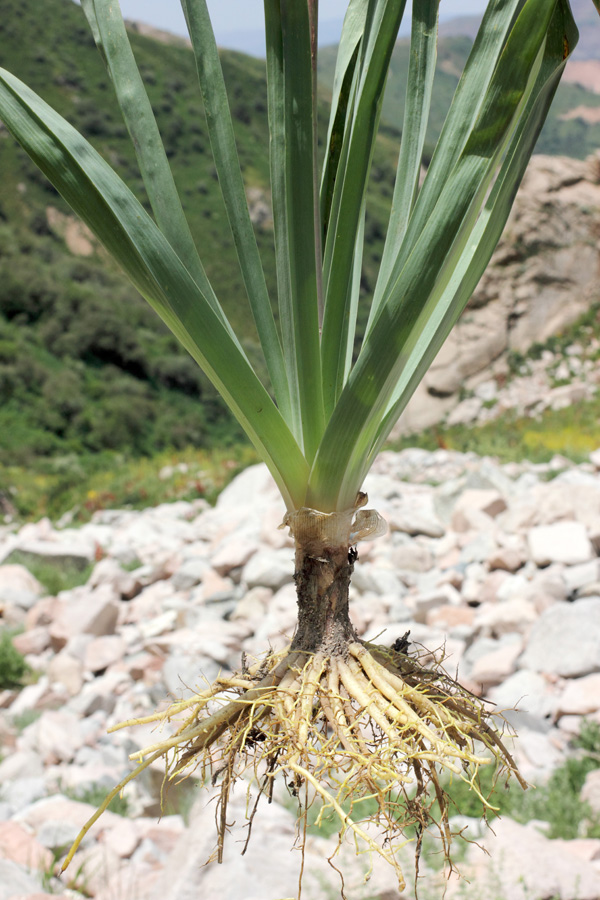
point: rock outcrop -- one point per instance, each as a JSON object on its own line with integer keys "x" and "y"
{"x": 541, "y": 278}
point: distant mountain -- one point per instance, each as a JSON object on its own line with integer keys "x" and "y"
{"x": 572, "y": 127}
{"x": 584, "y": 13}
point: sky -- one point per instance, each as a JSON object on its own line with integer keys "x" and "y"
{"x": 238, "y": 23}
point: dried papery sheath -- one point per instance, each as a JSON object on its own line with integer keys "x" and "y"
{"x": 347, "y": 527}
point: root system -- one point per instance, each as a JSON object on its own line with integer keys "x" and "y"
{"x": 364, "y": 732}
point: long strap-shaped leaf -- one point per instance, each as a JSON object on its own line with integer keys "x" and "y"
{"x": 381, "y": 29}
{"x": 464, "y": 110}
{"x": 451, "y": 300}
{"x": 290, "y": 100}
{"x": 419, "y": 85}
{"x": 108, "y": 29}
{"x": 222, "y": 138}
{"x": 345, "y": 66}
{"x": 119, "y": 221}
{"x": 353, "y": 430}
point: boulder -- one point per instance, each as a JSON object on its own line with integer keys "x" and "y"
{"x": 565, "y": 640}
{"x": 562, "y": 542}
{"x": 87, "y": 612}
{"x": 580, "y": 697}
{"x": 524, "y": 864}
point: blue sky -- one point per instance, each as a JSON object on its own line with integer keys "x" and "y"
{"x": 238, "y": 23}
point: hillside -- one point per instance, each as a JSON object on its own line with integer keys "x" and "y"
{"x": 562, "y": 135}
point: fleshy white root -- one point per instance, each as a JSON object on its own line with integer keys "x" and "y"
{"x": 367, "y": 727}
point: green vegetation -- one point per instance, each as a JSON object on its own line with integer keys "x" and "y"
{"x": 81, "y": 485}
{"x": 556, "y": 802}
{"x": 54, "y": 576}
{"x": 95, "y": 795}
{"x": 572, "y": 432}
{"x": 13, "y": 668}
{"x": 559, "y": 136}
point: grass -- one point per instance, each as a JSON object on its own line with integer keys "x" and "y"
{"x": 13, "y": 668}
{"x": 81, "y": 485}
{"x": 55, "y": 576}
{"x": 556, "y": 802}
{"x": 95, "y": 795}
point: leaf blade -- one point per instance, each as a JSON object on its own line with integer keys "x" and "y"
{"x": 222, "y": 138}
{"x": 122, "y": 225}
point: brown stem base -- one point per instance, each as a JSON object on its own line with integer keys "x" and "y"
{"x": 322, "y": 586}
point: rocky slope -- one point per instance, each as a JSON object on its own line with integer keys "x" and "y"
{"x": 542, "y": 277}
{"x": 498, "y": 563}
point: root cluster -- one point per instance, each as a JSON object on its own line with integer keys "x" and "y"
{"x": 366, "y": 734}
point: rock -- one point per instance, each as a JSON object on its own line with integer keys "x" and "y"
{"x": 506, "y": 558}
{"x": 20, "y": 764}
{"x": 14, "y": 881}
{"x": 524, "y": 690}
{"x": 526, "y": 864}
{"x": 21, "y": 847}
{"x": 495, "y": 667}
{"x": 18, "y": 586}
{"x": 590, "y": 792}
{"x": 64, "y": 548}
{"x": 580, "y": 697}
{"x": 490, "y": 501}
{"x": 563, "y": 542}
{"x": 233, "y": 554}
{"x": 413, "y": 557}
{"x": 416, "y": 515}
{"x": 254, "y": 876}
{"x": 269, "y": 568}
{"x": 103, "y": 652}
{"x": 67, "y": 670}
{"x": 33, "y": 642}
{"x": 89, "y": 612}
{"x": 565, "y": 640}
{"x": 442, "y": 596}
{"x": 190, "y": 573}
{"x": 504, "y": 618}
{"x": 577, "y": 577}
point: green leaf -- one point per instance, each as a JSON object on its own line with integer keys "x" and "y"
{"x": 377, "y": 42}
{"x": 222, "y": 138}
{"x": 466, "y": 104}
{"x": 451, "y": 299}
{"x": 419, "y": 85}
{"x": 407, "y": 323}
{"x": 290, "y": 100}
{"x": 128, "y": 233}
{"x": 108, "y": 29}
{"x": 345, "y": 65}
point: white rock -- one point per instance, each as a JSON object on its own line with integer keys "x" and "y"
{"x": 580, "y": 697}
{"x": 565, "y": 639}
{"x": 190, "y": 573}
{"x": 232, "y": 554}
{"x": 15, "y": 881}
{"x": 525, "y": 690}
{"x": 18, "y": 586}
{"x": 90, "y": 612}
{"x": 103, "y": 652}
{"x": 563, "y": 542}
{"x": 525, "y": 864}
{"x": 269, "y": 568}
